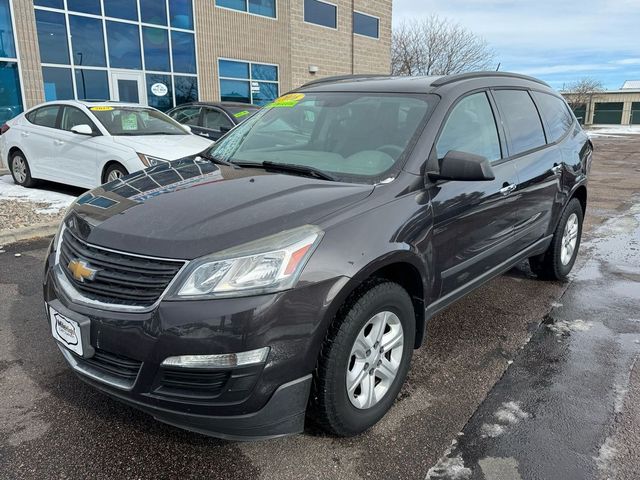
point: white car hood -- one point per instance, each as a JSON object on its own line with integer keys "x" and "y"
{"x": 168, "y": 147}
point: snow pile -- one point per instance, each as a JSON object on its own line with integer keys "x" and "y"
{"x": 54, "y": 202}
{"x": 613, "y": 130}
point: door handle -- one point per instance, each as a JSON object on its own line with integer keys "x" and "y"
{"x": 556, "y": 169}
{"x": 58, "y": 142}
{"x": 507, "y": 189}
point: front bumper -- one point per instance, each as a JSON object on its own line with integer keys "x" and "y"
{"x": 248, "y": 402}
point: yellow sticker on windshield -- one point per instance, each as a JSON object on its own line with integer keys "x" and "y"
{"x": 289, "y": 100}
{"x": 241, "y": 114}
{"x": 101, "y": 109}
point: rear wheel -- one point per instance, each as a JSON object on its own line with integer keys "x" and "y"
{"x": 558, "y": 260}
{"x": 364, "y": 360}
{"x": 20, "y": 170}
{"x": 114, "y": 172}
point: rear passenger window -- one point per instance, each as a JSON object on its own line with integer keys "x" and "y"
{"x": 521, "y": 120}
{"x": 471, "y": 128}
{"x": 45, "y": 116}
{"x": 556, "y": 116}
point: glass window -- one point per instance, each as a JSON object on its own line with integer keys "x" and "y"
{"x": 7, "y": 45}
{"x": 554, "y": 111}
{"x": 184, "y": 52}
{"x": 365, "y": 25}
{"x": 126, "y": 9}
{"x": 124, "y": 45}
{"x": 265, "y": 8}
{"x": 352, "y": 136}
{"x": 85, "y": 6}
{"x": 320, "y": 13}
{"x": 128, "y": 90}
{"x": 233, "y": 4}
{"x": 470, "y": 128}
{"x": 49, "y": 3}
{"x": 156, "y": 49}
{"x": 181, "y": 14}
{"x": 214, "y": 119}
{"x": 45, "y": 116}
{"x": 186, "y": 89}
{"x": 52, "y": 37}
{"x": 158, "y": 96}
{"x": 137, "y": 121}
{"x": 87, "y": 41}
{"x": 186, "y": 115}
{"x": 10, "y": 97}
{"x": 229, "y": 68}
{"x": 153, "y": 11}
{"x": 72, "y": 117}
{"x": 57, "y": 83}
{"x": 521, "y": 120}
{"x": 264, "y": 72}
{"x": 235, "y": 91}
{"x": 92, "y": 84}
{"x": 267, "y": 93}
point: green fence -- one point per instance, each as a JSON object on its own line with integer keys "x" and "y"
{"x": 609, "y": 113}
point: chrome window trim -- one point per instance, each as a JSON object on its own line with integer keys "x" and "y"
{"x": 77, "y": 297}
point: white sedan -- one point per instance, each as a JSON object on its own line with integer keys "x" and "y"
{"x": 88, "y": 143}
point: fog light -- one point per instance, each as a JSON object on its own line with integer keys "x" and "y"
{"x": 218, "y": 361}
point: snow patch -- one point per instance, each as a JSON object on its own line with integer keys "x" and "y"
{"x": 510, "y": 413}
{"x": 451, "y": 468}
{"x": 54, "y": 201}
{"x": 613, "y": 131}
{"x": 606, "y": 455}
{"x": 565, "y": 327}
{"x": 492, "y": 430}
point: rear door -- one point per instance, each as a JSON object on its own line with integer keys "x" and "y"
{"x": 37, "y": 141}
{"x": 473, "y": 220}
{"x": 77, "y": 154}
{"x": 538, "y": 164}
{"x": 215, "y": 123}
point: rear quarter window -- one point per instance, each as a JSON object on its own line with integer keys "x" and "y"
{"x": 521, "y": 120}
{"x": 45, "y": 116}
{"x": 556, "y": 116}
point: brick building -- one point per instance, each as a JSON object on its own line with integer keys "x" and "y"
{"x": 166, "y": 52}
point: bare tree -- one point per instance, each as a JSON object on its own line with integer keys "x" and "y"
{"x": 437, "y": 46}
{"x": 580, "y": 92}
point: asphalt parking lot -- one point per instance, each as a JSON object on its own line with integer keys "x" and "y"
{"x": 54, "y": 426}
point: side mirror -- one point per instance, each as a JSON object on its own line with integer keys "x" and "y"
{"x": 465, "y": 167}
{"x": 187, "y": 128}
{"x": 83, "y": 129}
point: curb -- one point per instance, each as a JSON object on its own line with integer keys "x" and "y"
{"x": 27, "y": 233}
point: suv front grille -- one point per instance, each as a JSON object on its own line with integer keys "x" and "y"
{"x": 112, "y": 365}
{"x": 115, "y": 277}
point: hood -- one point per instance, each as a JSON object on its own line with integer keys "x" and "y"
{"x": 168, "y": 147}
{"x": 190, "y": 208}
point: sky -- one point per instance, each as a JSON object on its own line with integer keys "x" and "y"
{"x": 558, "y": 41}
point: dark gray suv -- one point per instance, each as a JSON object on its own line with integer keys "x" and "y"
{"x": 288, "y": 272}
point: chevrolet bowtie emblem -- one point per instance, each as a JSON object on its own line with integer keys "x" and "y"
{"x": 81, "y": 270}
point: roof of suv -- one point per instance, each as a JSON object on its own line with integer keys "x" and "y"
{"x": 423, "y": 84}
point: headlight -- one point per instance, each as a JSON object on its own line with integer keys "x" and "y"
{"x": 151, "y": 161}
{"x": 267, "y": 265}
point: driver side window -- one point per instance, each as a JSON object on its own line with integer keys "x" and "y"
{"x": 72, "y": 117}
{"x": 471, "y": 128}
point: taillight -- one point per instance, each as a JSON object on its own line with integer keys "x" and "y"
{"x": 4, "y": 128}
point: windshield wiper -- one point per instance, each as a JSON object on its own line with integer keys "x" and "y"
{"x": 290, "y": 167}
{"x": 217, "y": 160}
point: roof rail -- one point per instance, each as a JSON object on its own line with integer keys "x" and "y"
{"x": 471, "y": 75}
{"x": 337, "y": 78}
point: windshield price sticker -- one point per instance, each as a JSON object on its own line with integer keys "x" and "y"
{"x": 130, "y": 122}
{"x": 241, "y": 114}
{"x": 287, "y": 101}
{"x": 101, "y": 109}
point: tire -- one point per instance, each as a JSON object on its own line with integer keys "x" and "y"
{"x": 332, "y": 407}
{"x": 557, "y": 261}
{"x": 114, "y": 172}
{"x": 20, "y": 170}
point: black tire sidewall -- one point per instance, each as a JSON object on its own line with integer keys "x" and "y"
{"x": 561, "y": 270}
{"x": 395, "y": 300}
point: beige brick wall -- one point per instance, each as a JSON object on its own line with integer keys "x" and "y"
{"x": 371, "y": 55}
{"x": 28, "y": 52}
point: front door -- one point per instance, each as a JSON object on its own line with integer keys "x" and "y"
{"x": 129, "y": 87}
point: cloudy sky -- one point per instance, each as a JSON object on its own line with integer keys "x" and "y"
{"x": 556, "y": 40}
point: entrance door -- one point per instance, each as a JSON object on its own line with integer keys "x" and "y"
{"x": 129, "y": 87}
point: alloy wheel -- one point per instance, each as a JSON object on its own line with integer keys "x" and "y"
{"x": 569, "y": 239}
{"x": 19, "y": 169}
{"x": 114, "y": 175}
{"x": 374, "y": 360}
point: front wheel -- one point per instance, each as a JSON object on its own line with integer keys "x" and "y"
{"x": 114, "y": 172}
{"x": 364, "y": 360}
{"x": 558, "y": 260}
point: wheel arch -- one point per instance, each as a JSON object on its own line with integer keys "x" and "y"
{"x": 581, "y": 194}
{"x": 108, "y": 164}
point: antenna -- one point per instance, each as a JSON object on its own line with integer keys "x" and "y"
{"x": 498, "y": 67}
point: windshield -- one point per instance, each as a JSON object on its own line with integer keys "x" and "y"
{"x": 136, "y": 121}
{"x": 355, "y": 136}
